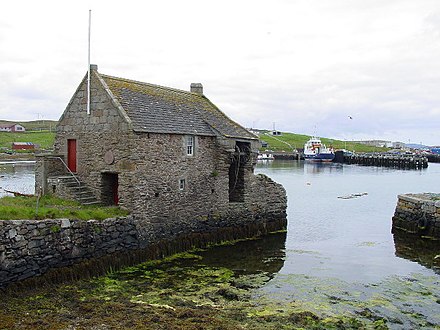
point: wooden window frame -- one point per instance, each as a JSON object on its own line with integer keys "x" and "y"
{"x": 190, "y": 143}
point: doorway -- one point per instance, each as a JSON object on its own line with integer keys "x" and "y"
{"x": 109, "y": 188}
{"x": 240, "y": 159}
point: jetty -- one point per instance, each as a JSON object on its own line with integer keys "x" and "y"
{"x": 418, "y": 214}
{"x": 403, "y": 161}
{"x": 433, "y": 158}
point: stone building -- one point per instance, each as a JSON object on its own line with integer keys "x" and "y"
{"x": 167, "y": 155}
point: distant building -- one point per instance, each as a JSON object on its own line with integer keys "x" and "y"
{"x": 11, "y": 128}
{"x": 398, "y": 145}
{"x": 376, "y": 143}
{"x": 23, "y": 146}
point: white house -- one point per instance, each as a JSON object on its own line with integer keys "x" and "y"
{"x": 11, "y": 128}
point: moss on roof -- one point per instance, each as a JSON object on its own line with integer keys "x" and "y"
{"x": 154, "y": 108}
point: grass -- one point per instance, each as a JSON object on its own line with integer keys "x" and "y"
{"x": 44, "y": 139}
{"x": 290, "y": 141}
{"x": 50, "y": 207}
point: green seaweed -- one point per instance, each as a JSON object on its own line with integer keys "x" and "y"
{"x": 185, "y": 291}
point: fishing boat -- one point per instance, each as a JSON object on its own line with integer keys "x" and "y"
{"x": 315, "y": 150}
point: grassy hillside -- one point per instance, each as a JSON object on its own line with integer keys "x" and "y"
{"x": 290, "y": 141}
{"x": 44, "y": 139}
{"x": 39, "y": 125}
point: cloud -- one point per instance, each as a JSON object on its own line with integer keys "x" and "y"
{"x": 300, "y": 64}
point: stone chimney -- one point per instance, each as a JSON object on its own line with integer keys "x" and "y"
{"x": 197, "y": 88}
{"x": 94, "y": 67}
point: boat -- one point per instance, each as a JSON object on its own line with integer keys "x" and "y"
{"x": 315, "y": 150}
{"x": 265, "y": 156}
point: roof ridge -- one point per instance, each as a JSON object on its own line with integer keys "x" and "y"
{"x": 150, "y": 84}
{"x": 160, "y": 108}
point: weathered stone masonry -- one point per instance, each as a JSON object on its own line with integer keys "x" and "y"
{"x": 30, "y": 248}
{"x": 418, "y": 214}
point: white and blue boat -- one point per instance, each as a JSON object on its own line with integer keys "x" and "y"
{"x": 315, "y": 150}
{"x": 265, "y": 156}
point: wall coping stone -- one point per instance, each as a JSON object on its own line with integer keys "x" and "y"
{"x": 426, "y": 198}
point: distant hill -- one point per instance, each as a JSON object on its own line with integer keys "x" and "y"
{"x": 34, "y": 125}
{"x": 290, "y": 141}
{"x": 416, "y": 146}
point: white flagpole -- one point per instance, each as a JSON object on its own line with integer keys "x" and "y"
{"x": 88, "y": 67}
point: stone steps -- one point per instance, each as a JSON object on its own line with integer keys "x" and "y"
{"x": 79, "y": 191}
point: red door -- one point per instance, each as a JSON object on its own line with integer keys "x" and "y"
{"x": 71, "y": 154}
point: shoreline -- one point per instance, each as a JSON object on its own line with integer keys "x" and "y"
{"x": 16, "y": 157}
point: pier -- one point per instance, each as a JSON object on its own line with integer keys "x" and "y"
{"x": 434, "y": 158}
{"x": 418, "y": 214}
{"x": 403, "y": 161}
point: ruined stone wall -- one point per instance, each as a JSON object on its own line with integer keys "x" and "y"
{"x": 418, "y": 214}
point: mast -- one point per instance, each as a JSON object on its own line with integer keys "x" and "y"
{"x": 88, "y": 65}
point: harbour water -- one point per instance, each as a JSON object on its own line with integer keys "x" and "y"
{"x": 339, "y": 255}
{"x": 347, "y": 238}
{"x": 17, "y": 176}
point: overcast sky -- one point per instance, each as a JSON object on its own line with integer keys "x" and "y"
{"x": 305, "y": 66}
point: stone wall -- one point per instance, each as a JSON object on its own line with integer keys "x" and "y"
{"x": 30, "y": 248}
{"x": 160, "y": 163}
{"x": 418, "y": 214}
{"x": 47, "y": 164}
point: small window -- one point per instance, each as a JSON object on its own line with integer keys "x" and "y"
{"x": 190, "y": 145}
{"x": 182, "y": 184}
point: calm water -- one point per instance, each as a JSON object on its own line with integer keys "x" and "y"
{"x": 18, "y": 176}
{"x": 340, "y": 255}
{"x": 345, "y": 238}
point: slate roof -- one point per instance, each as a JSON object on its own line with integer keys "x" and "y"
{"x": 159, "y": 109}
{"x": 6, "y": 125}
